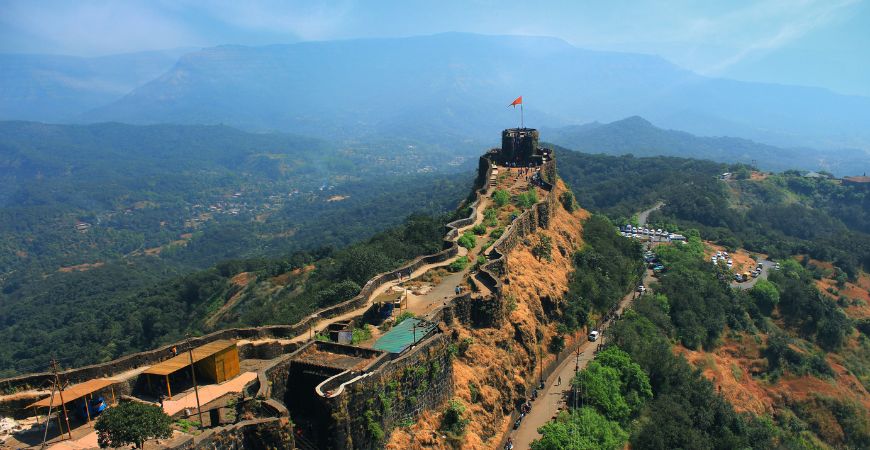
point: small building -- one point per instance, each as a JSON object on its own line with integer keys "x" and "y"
{"x": 857, "y": 181}
{"x": 214, "y": 362}
{"x": 82, "y": 400}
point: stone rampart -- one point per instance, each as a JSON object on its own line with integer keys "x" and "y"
{"x": 149, "y": 357}
{"x": 525, "y": 224}
{"x": 268, "y": 433}
{"x": 399, "y": 391}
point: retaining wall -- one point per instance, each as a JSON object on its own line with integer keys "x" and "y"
{"x": 150, "y": 357}
{"x": 399, "y": 391}
{"x": 270, "y": 433}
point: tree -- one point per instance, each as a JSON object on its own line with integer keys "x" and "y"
{"x": 583, "y": 429}
{"x": 543, "y": 249}
{"x": 454, "y": 421}
{"x": 600, "y": 386}
{"x": 132, "y": 423}
{"x": 635, "y": 382}
{"x": 567, "y": 200}
{"x": 766, "y": 295}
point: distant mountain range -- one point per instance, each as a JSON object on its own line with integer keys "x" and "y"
{"x": 445, "y": 88}
{"x": 56, "y": 88}
{"x": 635, "y": 135}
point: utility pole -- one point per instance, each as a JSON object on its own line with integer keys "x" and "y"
{"x": 193, "y": 375}
{"x": 60, "y": 391}
{"x": 47, "y": 416}
{"x": 541, "y": 363}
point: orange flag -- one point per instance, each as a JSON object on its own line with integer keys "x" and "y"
{"x": 518, "y": 101}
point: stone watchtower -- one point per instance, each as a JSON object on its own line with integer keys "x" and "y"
{"x": 520, "y": 145}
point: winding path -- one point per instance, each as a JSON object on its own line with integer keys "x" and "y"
{"x": 644, "y": 215}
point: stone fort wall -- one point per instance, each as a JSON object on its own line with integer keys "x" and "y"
{"x": 149, "y": 357}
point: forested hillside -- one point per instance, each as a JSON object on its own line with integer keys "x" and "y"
{"x": 782, "y": 214}
{"x": 637, "y": 136}
{"x": 781, "y": 365}
{"x": 96, "y": 215}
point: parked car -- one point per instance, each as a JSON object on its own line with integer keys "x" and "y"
{"x": 593, "y": 335}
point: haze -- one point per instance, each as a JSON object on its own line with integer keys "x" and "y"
{"x": 813, "y": 43}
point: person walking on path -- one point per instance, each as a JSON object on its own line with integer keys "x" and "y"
{"x": 559, "y": 381}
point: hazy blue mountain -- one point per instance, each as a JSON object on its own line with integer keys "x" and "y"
{"x": 55, "y": 87}
{"x": 637, "y": 136}
{"x": 455, "y": 84}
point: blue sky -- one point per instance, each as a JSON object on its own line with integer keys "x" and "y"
{"x": 822, "y": 43}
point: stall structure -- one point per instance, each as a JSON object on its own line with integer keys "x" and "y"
{"x": 215, "y": 362}
{"x": 73, "y": 393}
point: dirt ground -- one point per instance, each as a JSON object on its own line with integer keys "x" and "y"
{"x": 81, "y": 267}
{"x": 500, "y": 361}
{"x": 732, "y": 365}
{"x": 742, "y": 258}
{"x": 730, "y": 368}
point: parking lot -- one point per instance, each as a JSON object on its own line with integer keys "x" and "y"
{"x": 650, "y": 234}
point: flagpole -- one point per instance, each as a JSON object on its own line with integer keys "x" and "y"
{"x": 522, "y": 120}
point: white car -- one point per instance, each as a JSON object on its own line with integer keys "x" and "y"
{"x": 593, "y": 336}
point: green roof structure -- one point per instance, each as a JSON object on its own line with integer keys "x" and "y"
{"x": 403, "y": 335}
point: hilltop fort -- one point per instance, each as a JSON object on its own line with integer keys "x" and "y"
{"x": 430, "y": 323}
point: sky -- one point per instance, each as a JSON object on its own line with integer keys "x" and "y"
{"x": 823, "y": 43}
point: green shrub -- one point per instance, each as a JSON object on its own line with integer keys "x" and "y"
{"x": 453, "y": 422}
{"x": 474, "y": 392}
{"x": 543, "y": 249}
{"x": 527, "y": 199}
{"x": 361, "y": 334}
{"x": 479, "y": 229}
{"x": 501, "y": 197}
{"x": 458, "y": 265}
{"x": 567, "y": 201}
{"x": 490, "y": 217}
{"x": 496, "y": 233}
{"x": 468, "y": 240}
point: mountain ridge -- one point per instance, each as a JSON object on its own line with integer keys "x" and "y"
{"x": 460, "y": 83}
{"x": 640, "y": 137}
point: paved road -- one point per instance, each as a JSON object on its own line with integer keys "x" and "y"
{"x": 552, "y": 398}
{"x": 766, "y": 267}
{"x": 644, "y": 215}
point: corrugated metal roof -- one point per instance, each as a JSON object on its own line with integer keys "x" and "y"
{"x": 402, "y": 335}
{"x": 75, "y": 392}
{"x": 183, "y": 359}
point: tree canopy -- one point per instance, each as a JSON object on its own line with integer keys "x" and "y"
{"x": 132, "y": 423}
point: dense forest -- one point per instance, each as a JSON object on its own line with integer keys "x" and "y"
{"x": 81, "y": 320}
{"x": 112, "y": 214}
{"x": 639, "y": 391}
{"x": 803, "y": 333}
{"x": 605, "y": 269}
{"x": 779, "y": 214}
